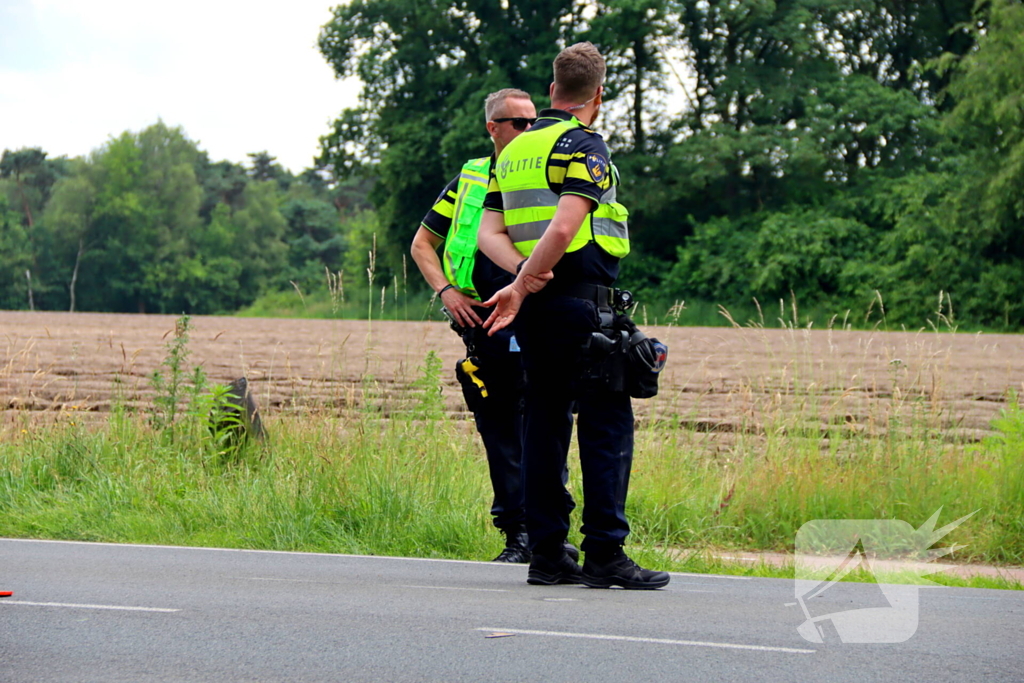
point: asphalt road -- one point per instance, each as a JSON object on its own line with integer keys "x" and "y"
{"x": 103, "y": 612}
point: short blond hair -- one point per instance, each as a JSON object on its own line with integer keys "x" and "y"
{"x": 579, "y": 72}
{"x": 495, "y": 102}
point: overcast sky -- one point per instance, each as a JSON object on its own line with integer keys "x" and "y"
{"x": 238, "y": 76}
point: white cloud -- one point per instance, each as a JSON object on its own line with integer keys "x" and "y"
{"x": 239, "y": 77}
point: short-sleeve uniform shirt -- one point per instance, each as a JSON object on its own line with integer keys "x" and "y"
{"x": 488, "y": 278}
{"x": 578, "y": 164}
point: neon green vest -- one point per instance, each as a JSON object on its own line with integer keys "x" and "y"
{"x": 460, "y": 246}
{"x": 529, "y": 203}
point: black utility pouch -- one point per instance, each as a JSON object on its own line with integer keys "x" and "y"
{"x": 604, "y": 361}
{"x": 473, "y": 388}
{"x": 646, "y": 358}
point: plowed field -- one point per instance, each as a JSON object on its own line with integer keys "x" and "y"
{"x": 718, "y": 379}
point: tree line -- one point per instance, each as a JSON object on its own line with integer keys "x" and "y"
{"x": 846, "y": 155}
{"x": 843, "y": 154}
{"x": 147, "y": 223}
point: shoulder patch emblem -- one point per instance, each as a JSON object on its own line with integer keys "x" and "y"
{"x": 597, "y": 166}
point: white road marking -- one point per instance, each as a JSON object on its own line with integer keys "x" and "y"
{"x": 124, "y": 608}
{"x": 660, "y": 641}
{"x": 456, "y": 588}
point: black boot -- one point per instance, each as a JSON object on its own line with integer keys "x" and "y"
{"x": 517, "y": 546}
{"x": 553, "y": 569}
{"x": 572, "y": 551}
{"x": 616, "y": 569}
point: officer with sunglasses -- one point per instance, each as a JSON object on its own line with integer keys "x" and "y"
{"x": 492, "y": 373}
{"x": 518, "y": 123}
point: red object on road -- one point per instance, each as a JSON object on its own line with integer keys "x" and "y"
{"x": 6, "y": 594}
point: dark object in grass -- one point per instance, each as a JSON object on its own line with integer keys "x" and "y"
{"x": 238, "y": 416}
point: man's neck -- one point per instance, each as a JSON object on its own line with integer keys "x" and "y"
{"x": 585, "y": 115}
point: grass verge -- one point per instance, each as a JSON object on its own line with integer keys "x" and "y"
{"x": 418, "y": 487}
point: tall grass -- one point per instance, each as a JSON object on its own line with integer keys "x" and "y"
{"x": 416, "y": 484}
{"x": 357, "y": 485}
{"x": 761, "y": 491}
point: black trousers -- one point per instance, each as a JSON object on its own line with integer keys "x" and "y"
{"x": 499, "y": 421}
{"x": 551, "y": 330}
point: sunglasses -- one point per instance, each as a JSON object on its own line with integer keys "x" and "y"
{"x": 518, "y": 122}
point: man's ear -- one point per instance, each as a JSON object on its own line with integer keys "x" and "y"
{"x": 491, "y": 127}
{"x": 551, "y": 91}
{"x": 599, "y": 95}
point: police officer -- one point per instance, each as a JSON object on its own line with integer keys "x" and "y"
{"x": 492, "y": 374}
{"x": 552, "y": 200}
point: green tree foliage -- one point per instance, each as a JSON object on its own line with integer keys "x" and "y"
{"x": 15, "y": 258}
{"x": 264, "y": 168}
{"x": 988, "y": 89}
{"x": 259, "y": 229}
{"x": 790, "y": 107}
{"x": 68, "y": 229}
{"x": 960, "y": 228}
{"x": 222, "y": 182}
{"x": 634, "y": 35}
{"x": 148, "y": 223}
{"x": 147, "y": 204}
{"x": 829, "y": 151}
{"x": 31, "y": 176}
{"x": 812, "y": 158}
{"x": 807, "y": 163}
{"x": 27, "y": 179}
{"x": 314, "y": 240}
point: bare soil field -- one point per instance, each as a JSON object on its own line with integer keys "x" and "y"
{"x": 718, "y": 379}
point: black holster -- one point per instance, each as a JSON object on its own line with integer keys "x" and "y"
{"x": 622, "y": 358}
{"x": 473, "y": 388}
{"x": 603, "y": 355}
{"x": 604, "y": 361}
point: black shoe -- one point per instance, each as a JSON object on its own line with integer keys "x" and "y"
{"x": 572, "y": 551}
{"x": 517, "y": 547}
{"x": 547, "y": 571}
{"x": 619, "y": 570}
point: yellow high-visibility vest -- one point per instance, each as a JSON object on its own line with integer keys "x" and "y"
{"x": 529, "y": 203}
{"x": 460, "y": 246}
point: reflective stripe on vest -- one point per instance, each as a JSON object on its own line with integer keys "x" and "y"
{"x": 460, "y": 245}
{"x": 529, "y": 204}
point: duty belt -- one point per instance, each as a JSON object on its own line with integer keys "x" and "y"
{"x": 604, "y": 297}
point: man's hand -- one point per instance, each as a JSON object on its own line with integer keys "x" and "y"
{"x": 535, "y": 283}
{"x": 506, "y": 302}
{"x": 461, "y": 307}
